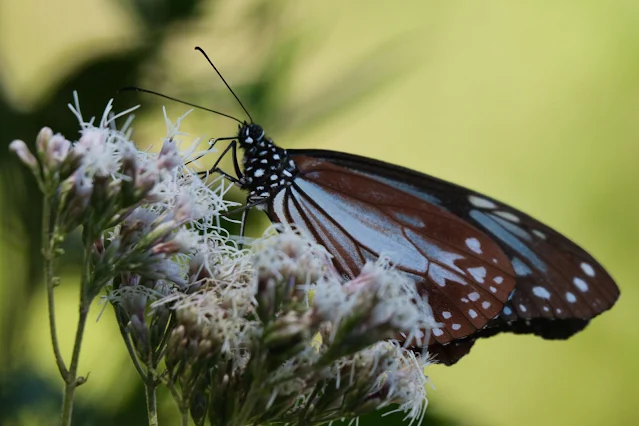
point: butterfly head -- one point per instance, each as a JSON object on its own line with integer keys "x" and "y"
{"x": 267, "y": 167}
{"x": 250, "y": 134}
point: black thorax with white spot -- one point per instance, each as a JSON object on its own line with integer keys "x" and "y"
{"x": 267, "y": 167}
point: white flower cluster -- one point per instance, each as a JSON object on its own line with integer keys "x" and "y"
{"x": 263, "y": 336}
{"x": 286, "y": 336}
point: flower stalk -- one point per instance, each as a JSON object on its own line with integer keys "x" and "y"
{"x": 50, "y": 281}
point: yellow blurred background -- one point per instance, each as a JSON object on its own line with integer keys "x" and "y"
{"x": 533, "y": 102}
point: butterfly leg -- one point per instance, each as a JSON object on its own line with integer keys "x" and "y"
{"x": 238, "y": 181}
{"x": 243, "y": 227}
{"x": 209, "y": 149}
{"x": 245, "y": 211}
{"x": 215, "y": 169}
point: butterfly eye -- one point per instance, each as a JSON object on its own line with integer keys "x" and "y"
{"x": 254, "y": 132}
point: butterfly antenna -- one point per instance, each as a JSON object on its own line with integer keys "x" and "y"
{"x": 151, "y": 92}
{"x": 198, "y": 48}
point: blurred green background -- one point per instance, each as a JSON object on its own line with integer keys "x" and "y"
{"x": 533, "y": 102}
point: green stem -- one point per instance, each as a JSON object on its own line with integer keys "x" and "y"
{"x": 129, "y": 345}
{"x": 48, "y": 253}
{"x": 184, "y": 414}
{"x": 72, "y": 380}
{"x": 183, "y": 406}
{"x": 150, "y": 386}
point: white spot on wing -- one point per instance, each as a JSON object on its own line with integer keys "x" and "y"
{"x": 520, "y": 267}
{"x": 541, "y": 292}
{"x": 478, "y": 273}
{"x": 539, "y": 234}
{"x": 489, "y": 222}
{"x": 493, "y": 289}
{"x": 437, "y": 332}
{"x": 522, "y": 308}
{"x": 570, "y": 297}
{"x": 507, "y": 215}
{"x": 498, "y": 280}
{"x": 507, "y": 310}
{"x": 472, "y": 313}
{"x": 474, "y": 245}
{"x": 588, "y": 269}
{"x": 580, "y": 284}
{"x": 446, "y": 314}
{"x": 474, "y": 296}
{"x": 485, "y": 305}
{"x": 456, "y": 327}
{"x": 481, "y": 202}
{"x": 258, "y": 173}
{"x": 439, "y": 275}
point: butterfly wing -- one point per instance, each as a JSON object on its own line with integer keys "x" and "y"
{"x": 444, "y": 233}
{"x": 465, "y": 274}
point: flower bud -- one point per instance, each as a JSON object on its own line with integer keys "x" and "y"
{"x": 288, "y": 335}
{"x": 140, "y": 336}
{"x": 24, "y": 154}
{"x": 169, "y": 157}
{"x": 285, "y": 264}
{"x": 75, "y": 194}
{"x": 42, "y": 140}
{"x": 129, "y": 170}
{"x": 56, "y": 152}
{"x": 160, "y": 326}
{"x": 146, "y": 179}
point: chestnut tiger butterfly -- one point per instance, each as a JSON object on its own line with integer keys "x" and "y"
{"x": 485, "y": 267}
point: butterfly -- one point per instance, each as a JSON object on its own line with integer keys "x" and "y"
{"x": 485, "y": 267}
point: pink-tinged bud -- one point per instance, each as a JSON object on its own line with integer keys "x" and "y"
{"x": 182, "y": 241}
{"x": 168, "y": 248}
{"x": 57, "y": 150}
{"x": 169, "y": 157}
{"x": 24, "y": 154}
{"x": 42, "y": 140}
{"x": 83, "y": 186}
{"x": 145, "y": 181}
{"x": 184, "y": 209}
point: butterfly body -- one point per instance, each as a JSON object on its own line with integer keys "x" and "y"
{"x": 267, "y": 167}
{"x": 485, "y": 267}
